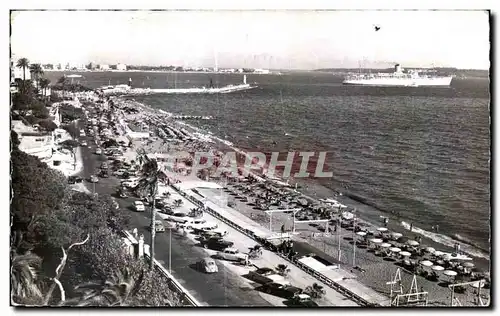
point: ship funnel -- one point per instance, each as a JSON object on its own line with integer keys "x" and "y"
{"x": 244, "y": 79}
{"x": 398, "y": 68}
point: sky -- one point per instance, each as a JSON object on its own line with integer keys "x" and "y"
{"x": 255, "y": 39}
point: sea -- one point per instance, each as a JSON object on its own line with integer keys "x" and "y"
{"x": 418, "y": 152}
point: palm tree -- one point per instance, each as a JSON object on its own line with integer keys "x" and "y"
{"x": 23, "y": 63}
{"x": 282, "y": 269}
{"x": 177, "y": 203}
{"x": 315, "y": 291}
{"x": 63, "y": 81}
{"x": 24, "y": 279}
{"x": 150, "y": 176}
{"x": 119, "y": 291}
{"x": 37, "y": 71}
{"x": 44, "y": 84}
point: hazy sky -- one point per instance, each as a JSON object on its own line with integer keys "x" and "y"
{"x": 257, "y": 39}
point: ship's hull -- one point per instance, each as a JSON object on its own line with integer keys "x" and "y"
{"x": 400, "y": 82}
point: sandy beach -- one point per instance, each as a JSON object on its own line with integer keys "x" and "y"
{"x": 376, "y": 270}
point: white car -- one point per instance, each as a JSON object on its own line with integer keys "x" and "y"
{"x": 200, "y": 224}
{"x": 139, "y": 206}
{"x": 98, "y": 151}
{"x": 178, "y": 217}
{"x": 84, "y": 143}
{"x": 129, "y": 184}
{"x": 232, "y": 254}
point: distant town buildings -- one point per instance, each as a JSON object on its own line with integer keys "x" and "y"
{"x": 104, "y": 67}
{"x": 121, "y": 67}
{"x": 261, "y": 71}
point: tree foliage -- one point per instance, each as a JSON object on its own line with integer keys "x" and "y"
{"x": 47, "y": 125}
{"x": 37, "y": 189}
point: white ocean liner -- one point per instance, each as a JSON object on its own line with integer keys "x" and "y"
{"x": 398, "y": 78}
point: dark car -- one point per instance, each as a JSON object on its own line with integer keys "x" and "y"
{"x": 104, "y": 174}
{"x": 218, "y": 244}
{"x": 281, "y": 290}
{"x": 71, "y": 180}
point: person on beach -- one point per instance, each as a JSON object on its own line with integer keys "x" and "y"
{"x": 411, "y": 227}
{"x": 386, "y": 221}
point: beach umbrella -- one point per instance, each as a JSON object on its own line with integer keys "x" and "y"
{"x": 450, "y": 273}
{"x": 347, "y": 215}
{"x": 385, "y": 245}
{"x": 477, "y": 284}
{"x": 402, "y": 239}
{"x": 437, "y": 268}
{"x": 382, "y": 229}
{"x": 396, "y": 235}
{"x": 412, "y": 243}
{"x": 376, "y": 240}
{"x": 430, "y": 250}
{"x": 426, "y": 263}
{"x": 361, "y": 233}
{"x": 405, "y": 253}
{"x": 468, "y": 264}
{"x": 395, "y": 249}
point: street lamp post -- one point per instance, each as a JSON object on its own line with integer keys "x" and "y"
{"x": 339, "y": 235}
{"x": 170, "y": 250}
{"x": 354, "y": 242}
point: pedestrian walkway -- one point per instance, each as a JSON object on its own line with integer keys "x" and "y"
{"x": 347, "y": 281}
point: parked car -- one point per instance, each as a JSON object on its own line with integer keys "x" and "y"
{"x": 207, "y": 265}
{"x": 281, "y": 290}
{"x": 104, "y": 174}
{"x": 266, "y": 275}
{"x": 217, "y": 233}
{"x": 215, "y": 243}
{"x": 104, "y": 166}
{"x": 94, "y": 178}
{"x": 139, "y": 206}
{"x": 302, "y": 300}
{"x": 178, "y": 217}
{"x": 119, "y": 172}
{"x": 159, "y": 227}
{"x": 122, "y": 194}
{"x": 71, "y": 180}
{"x": 199, "y": 224}
{"x": 98, "y": 151}
{"x": 232, "y": 254}
{"x": 84, "y": 143}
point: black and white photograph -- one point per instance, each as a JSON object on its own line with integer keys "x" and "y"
{"x": 250, "y": 158}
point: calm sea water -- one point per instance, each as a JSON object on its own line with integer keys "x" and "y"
{"x": 422, "y": 152}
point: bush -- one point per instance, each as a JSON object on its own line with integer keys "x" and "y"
{"x": 47, "y": 125}
{"x": 37, "y": 191}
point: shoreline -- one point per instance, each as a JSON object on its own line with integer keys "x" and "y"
{"x": 375, "y": 271}
{"x": 366, "y": 212}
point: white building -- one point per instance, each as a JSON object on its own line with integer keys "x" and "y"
{"x": 121, "y": 67}
{"x": 261, "y": 71}
{"x": 104, "y": 67}
{"x": 33, "y": 142}
{"x": 18, "y": 73}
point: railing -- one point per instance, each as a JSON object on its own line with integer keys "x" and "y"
{"x": 332, "y": 284}
{"x": 173, "y": 284}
